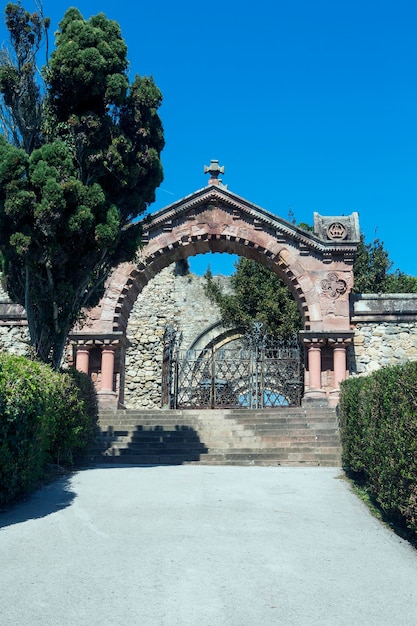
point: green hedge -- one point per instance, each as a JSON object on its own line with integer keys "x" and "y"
{"x": 71, "y": 416}
{"x": 45, "y": 417}
{"x": 378, "y": 421}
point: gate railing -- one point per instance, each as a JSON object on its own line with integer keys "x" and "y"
{"x": 253, "y": 377}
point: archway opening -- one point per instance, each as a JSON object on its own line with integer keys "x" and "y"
{"x": 222, "y": 374}
{"x": 219, "y": 263}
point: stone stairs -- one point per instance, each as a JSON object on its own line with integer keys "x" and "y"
{"x": 284, "y": 436}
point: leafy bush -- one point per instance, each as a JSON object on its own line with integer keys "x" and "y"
{"x": 72, "y": 417}
{"x": 378, "y": 420}
{"x": 45, "y": 416}
{"x": 353, "y": 424}
{"x": 23, "y": 432}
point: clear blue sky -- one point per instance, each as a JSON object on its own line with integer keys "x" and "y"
{"x": 310, "y": 105}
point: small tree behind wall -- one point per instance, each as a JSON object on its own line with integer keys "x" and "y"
{"x": 71, "y": 188}
{"x": 258, "y": 295}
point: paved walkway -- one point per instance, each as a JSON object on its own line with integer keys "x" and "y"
{"x": 202, "y": 546}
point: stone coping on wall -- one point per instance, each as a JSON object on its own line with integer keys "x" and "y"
{"x": 387, "y": 307}
{"x": 338, "y": 336}
{"x": 117, "y": 338}
{"x": 12, "y": 314}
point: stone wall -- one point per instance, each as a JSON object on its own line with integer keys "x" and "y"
{"x": 378, "y": 344}
{"x": 169, "y": 299}
{"x": 385, "y": 331}
{"x": 14, "y": 335}
{"x": 14, "y": 339}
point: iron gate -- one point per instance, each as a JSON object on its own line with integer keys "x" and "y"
{"x": 253, "y": 373}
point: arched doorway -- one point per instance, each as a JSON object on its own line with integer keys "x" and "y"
{"x": 316, "y": 267}
{"x": 233, "y": 371}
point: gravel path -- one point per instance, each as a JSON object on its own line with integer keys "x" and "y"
{"x": 206, "y": 546}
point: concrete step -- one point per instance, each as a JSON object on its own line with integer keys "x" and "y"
{"x": 117, "y": 449}
{"x": 285, "y": 413}
{"x": 283, "y": 436}
{"x": 329, "y": 460}
{"x": 209, "y": 426}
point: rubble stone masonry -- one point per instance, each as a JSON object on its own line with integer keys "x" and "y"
{"x": 168, "y": 299}
{"x": 385, "y": 331}
{"x": 377, "y": 345}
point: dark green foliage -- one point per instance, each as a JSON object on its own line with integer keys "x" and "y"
{"x": 72, "y": 418}
{"x": 378, "y": 418}
{"x": 398, "y": 282}
{"x": 68, "y": 200}
{"x": 259, "y": 295}
{"x": 21, "y": 115}
{"x": 353, "y": 427}
{"x": 372, "y": 271}
{"x": 371, "y": 267}
{"x": 23, "y": 433}
{"x": 45, "y": 417}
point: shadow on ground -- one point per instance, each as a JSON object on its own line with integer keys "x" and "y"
{"x": 49, "y": 499}
{"x": 148, "y": 445}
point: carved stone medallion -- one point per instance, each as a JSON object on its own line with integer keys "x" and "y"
{"x": 337, "y": 230}
{"x": 333, "y": 286}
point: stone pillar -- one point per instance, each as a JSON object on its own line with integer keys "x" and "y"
{"x": 339, "y": 363}
{"x": 314, "y": 392}
{"x": 107, "y": 397}
{"x": 314, "y": 365}
{"x": 339, "y": 367}
{"x": 107, "y": 368}
{"x": 82, "y": 359}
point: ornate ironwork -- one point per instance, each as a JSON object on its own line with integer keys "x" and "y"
{"x": 251, "y": 373}
{"x": 171, "y": 341}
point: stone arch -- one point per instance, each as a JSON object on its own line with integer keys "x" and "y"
{"x": 137, "y": 276}
{"x": 316, "y": 266}
{"x": 214, "y": 335}
{"x": 215, "y": 220}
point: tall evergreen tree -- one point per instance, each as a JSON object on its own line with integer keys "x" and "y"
{"x": 69, "y": 194}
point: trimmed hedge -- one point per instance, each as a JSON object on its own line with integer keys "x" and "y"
{"x": 72, "y": 416}
{"x": 378, "y": 422}
{"x": 45, "y": 417}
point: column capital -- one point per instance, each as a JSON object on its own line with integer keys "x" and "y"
{"x": 79, "y": 347}
{"x": 82, "y": 357}
{"x": 339, "y": 341}
{"x": 322, "y": 337}
{"x": 116, "y": 339}
{"x": 109, "y": 347}
{"x": 312, "y": 342}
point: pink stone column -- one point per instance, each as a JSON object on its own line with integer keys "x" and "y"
{"x": 339, "y": 363}
{"x": 314, "y": 366}
{"x": 82, "y": 359}
{"x": 107, "y": 368}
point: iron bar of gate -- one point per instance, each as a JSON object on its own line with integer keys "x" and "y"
{"x": 213, "y": 380}
{"x": 170, "y": 341}
{"x": 256, "y": 340}
{"x": 264, "y": 374}
{"x": 176, "y": 366}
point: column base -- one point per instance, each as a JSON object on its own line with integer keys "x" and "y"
{"x": 315, "y": 397}
{"x": 334, "y": 396}
{"x": 107, "y": 400}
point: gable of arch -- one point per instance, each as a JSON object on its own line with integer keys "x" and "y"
{"x": 317, "y": 267}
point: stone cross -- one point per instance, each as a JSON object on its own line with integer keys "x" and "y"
{"x": 214, "y": 170}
